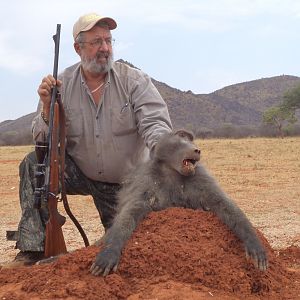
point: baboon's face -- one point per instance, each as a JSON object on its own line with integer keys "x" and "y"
{"x": 187, "y": 157}
{"x": 179, "y": 153}
{"x": 189, "y": 161}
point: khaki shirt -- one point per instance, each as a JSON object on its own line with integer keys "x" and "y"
{"x": 106, "y": 141}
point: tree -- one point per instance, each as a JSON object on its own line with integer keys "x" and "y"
{"x": 278, "y": 116}
{"x": 291, "y": 99}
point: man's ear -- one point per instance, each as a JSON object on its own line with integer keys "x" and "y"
{"x": 77, "y": 48}
{"x": 185, "y": 134}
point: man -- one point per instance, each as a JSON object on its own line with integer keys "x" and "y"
{"x": 114, "y": 117}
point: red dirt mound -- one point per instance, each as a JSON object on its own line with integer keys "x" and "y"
{"x": 174, "y": 254}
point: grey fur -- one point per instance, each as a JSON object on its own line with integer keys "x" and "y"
{"x": 166, "y": 181}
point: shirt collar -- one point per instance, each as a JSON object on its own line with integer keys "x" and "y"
{"x": 107, "y": 78}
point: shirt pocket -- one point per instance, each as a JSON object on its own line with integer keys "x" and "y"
{"x": 74, "y": 125}
{"x": 123, "y": 120}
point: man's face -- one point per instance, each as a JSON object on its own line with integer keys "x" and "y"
{"x": 96, "y": 51}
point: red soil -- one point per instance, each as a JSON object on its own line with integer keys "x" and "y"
{"x": 174, "y": 254}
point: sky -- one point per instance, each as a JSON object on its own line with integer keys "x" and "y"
{"x": 197, "y": 45}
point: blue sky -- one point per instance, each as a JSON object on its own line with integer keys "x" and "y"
{"x": 197, "y": 45}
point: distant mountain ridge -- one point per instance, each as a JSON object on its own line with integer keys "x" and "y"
{"x": 239, "y": 104}
{"x": 261, "y": 93}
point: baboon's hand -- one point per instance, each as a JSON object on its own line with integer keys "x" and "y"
{"x": 255, "y": 250}
{"x": 106, "y": 260}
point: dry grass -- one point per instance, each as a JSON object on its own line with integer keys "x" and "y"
{"x": 261, "y": 175}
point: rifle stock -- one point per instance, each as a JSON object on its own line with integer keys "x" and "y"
{"x": 54, "y": 242}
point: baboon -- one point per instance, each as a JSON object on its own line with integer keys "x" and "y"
{"x": 174, "y": 177}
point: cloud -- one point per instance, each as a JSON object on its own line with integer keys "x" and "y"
{"x": 12, "y": 57}
{"x": 213, "y": 15}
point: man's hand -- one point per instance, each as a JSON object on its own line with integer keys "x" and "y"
{"x": 44, "y": 92}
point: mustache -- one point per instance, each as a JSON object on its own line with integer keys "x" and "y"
{"x": 102, "y": 55}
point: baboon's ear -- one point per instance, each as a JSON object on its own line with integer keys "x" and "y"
{"x": 185, "y": 134}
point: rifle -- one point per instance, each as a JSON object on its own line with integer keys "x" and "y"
{"x": 49, "y": 171}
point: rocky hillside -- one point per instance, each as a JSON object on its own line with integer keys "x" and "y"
{"x": 16, "y": 132}
{"x": 239, "y": 104}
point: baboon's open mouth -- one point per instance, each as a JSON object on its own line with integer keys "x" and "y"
{"x": 188, "y": 162}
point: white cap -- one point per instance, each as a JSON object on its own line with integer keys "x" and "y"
{"x": 88, "y": 21}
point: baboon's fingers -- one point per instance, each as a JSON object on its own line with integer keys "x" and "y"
{"x": 115, "y": 268}
{"x": 263, "y": 264}
{"x": 247, "y": 254}
{"x": 95, "y": 270}
{"x": 259, "y": 258}
{"x": 105, "y": 261}
{"x": 255, "y": 259}
{"x": 107, "y": 270}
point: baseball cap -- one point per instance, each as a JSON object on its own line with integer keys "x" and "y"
{"x": 88, "y": 21}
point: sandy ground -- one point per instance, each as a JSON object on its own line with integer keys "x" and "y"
{"x": 261, "y": 175}
{"x": 81, "y": 206}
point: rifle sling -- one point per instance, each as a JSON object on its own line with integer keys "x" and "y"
{"x": 62, "y": 135}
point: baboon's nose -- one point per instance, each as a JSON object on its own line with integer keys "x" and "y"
{"x": 198, "y": 151}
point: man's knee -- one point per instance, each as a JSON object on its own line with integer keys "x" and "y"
{"x": 28, "y": 162}
{"x": 26, "y": 173}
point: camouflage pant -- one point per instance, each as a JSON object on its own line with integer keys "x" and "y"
{"x": 31, "y": 229}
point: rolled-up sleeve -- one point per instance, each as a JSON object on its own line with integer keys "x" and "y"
{"x": 39, "y": 128}
{"x": 151, "y": 110}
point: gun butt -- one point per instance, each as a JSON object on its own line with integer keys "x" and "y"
{"x": 55, "y": 242}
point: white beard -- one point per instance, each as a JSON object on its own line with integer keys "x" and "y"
{"x": 94, "y": 67}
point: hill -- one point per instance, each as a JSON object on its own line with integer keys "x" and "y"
{"x": 16, "y": 132}
{"x": 237, "y": 106}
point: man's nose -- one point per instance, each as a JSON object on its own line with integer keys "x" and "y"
{"x": 104, "y": 46}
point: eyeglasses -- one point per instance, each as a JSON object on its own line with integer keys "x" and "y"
{"x": 96, "y": 43}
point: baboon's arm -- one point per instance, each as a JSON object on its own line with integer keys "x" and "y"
{"x": 211, "y": 197}
{"x": 117, "y": 235}
{"x": 236, "y": 220}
